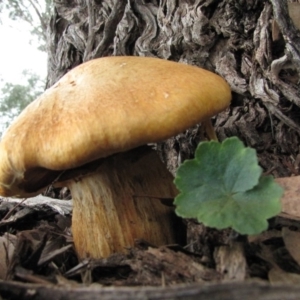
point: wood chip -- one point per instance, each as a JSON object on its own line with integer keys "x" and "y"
{"x": 231, "y": 261}
{"x": 277, "y": 275}
{"x": 292, "y": 243}
{"x": 7, "y": 248}
{"x": 291, "y": 197}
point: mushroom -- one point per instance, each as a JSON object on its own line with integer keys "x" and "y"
{"x": 88, "y": 132}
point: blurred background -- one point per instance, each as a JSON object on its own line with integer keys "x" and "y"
{"x": 23, "y": 58}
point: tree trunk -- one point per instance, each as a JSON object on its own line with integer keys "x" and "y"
{"x": 231, "y": 38}
{"x": 253, "y": 44}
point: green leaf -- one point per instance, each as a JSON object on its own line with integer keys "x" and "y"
{"x": 222, "y": 187}
{"x": 15, "y": 97}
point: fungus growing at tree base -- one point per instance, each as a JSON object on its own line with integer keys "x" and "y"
{"x": 83, "y": 133}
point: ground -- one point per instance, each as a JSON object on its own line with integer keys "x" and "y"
{"x": 36, "y": 248}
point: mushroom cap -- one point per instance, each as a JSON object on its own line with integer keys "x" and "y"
{"x": 104, "y": 106}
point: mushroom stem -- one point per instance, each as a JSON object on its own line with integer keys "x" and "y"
{"x": 209, "y": 129}
{"x": 112, "y": 207}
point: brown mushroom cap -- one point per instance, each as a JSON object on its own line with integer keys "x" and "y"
{"x": 105, "y": 106}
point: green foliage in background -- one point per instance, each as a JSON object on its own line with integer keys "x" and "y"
{"x": 223, "y": 187}
{"x": 33, "y": 12}
{"x": 15, "y": 97}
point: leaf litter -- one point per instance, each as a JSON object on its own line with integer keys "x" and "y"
{"x": 36, "y": 247}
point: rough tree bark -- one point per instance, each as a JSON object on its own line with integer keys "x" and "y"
{"x": 231, "y": 38}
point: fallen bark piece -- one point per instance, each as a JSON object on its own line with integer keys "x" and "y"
{"x": 291, "y": 197}
{"x": 231, "y": 261}
{"x": 277, "y": 275}
{"x": 34, "y": 250}
{"x": 22, "y": 214}
{"x": 292, "y": 243}
{"x": 162, "y": 266}
{"x": 7, "y": 246}
{"x": 227, "y": 291}
{"x": 63, "y": 207}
